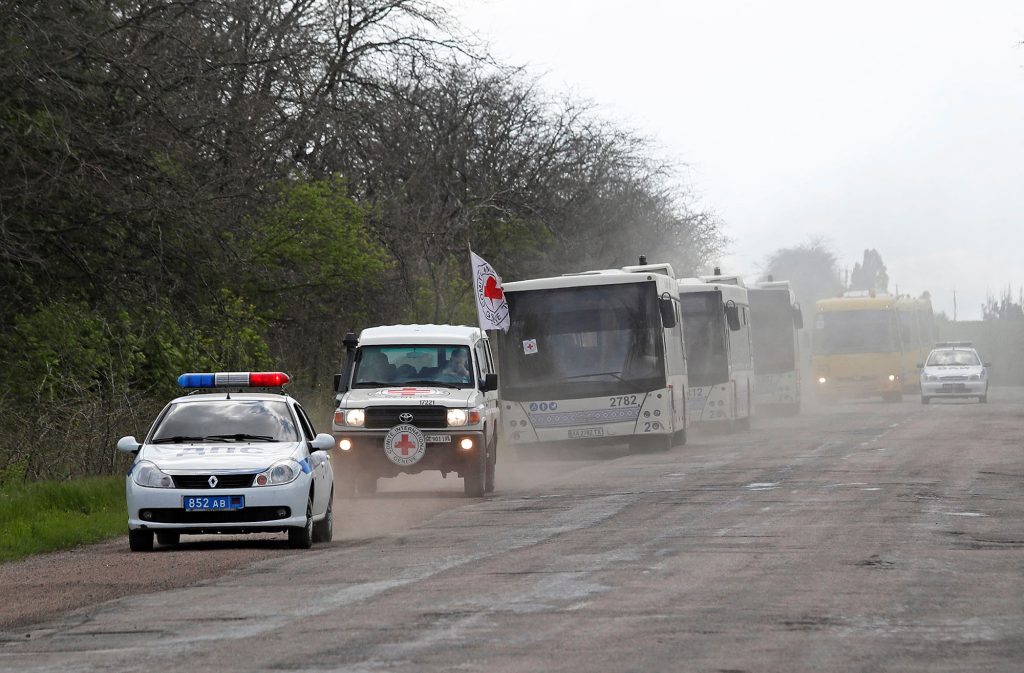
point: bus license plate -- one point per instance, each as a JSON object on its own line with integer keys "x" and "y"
{"x": 586, "y": 432}
{"x": 438, "y": 439}
{"x": 215, "y": 503}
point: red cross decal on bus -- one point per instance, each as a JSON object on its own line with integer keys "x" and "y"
{"x": 405, "y": 444}
{"x": 407, "y": 392}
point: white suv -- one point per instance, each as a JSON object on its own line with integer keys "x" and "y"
{"x": 953, "y": 369}
{"x": 414, "y": 398}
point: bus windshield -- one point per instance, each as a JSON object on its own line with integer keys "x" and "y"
{"x": 707, "y": 355}
{"x": 774, "y": 332}
{"x": 851, "y": 332}
{"x": 589, "y": 341}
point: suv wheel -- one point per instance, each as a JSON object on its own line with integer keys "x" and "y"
{"x": 474, "y": 479}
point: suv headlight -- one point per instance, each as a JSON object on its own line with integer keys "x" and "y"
{"x": 974, "y": 377}
{"x": 355, "y": 417}
{"x": 284, "y": 472}
{"x": 930, "y": 377}
{"x": 149, "y": 475}
{"x": 459, "y": 417}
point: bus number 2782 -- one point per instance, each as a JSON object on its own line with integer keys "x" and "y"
{"x": 622, "y": 401}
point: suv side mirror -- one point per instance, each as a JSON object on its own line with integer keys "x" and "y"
{"x": 986, "y": 364}
{"x": 128, "y": 445}
{"x": 732, "y": 316}
{"x": 920, "y": 365}
{"x": 668, "y": 312}
{"x": 798, "y": 316}
{"x": 490, "y": 382}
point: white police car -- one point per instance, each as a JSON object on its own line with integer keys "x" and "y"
{"x": 230, "y": 462}
{"x": 953, "y": 369}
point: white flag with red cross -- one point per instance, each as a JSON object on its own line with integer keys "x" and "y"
{"x": 491, "y": 305}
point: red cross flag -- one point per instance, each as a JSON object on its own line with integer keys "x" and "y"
{"x": 491, "y": 306}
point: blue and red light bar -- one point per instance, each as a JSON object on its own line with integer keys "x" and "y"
{"x": 234, "y": 380}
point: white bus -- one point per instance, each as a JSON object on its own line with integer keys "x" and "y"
{"x": 593, "y": 358}
{"x": 716, "y": 326}
{"x": 777, "y": 320}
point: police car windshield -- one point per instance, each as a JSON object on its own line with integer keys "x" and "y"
{"x": 226, "y": 421}
{"x": 442, "y": 365}
{"x": 953, "y": 359}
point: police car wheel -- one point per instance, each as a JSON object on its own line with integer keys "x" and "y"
{"x": 140, "y": 540}
{"x": 323, "y": 530}
{"x": 302, "y": 537}
{"x": 168, "y": 538}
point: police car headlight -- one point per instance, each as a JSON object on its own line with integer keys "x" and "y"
{"x": 283, "y": 472}
{"x": 149, "y": 475}
{"x": 355, "y": 417}
{"x": 457, "y": 417}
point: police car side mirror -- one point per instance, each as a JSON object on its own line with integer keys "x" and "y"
{"x": 128, "y": 445}
{"x": 322, "y": 442}
{"x": 490, "y": 382}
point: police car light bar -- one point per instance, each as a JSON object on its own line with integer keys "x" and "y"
{"x": 234, "y": 380}
{"x": 954, "y": 344}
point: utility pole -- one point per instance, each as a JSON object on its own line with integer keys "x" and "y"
{"x": 954, "y": 304}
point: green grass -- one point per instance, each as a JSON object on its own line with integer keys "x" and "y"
{"x": 44, "y": 516}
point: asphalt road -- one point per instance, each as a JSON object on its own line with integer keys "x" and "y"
{"x": 859, "y": 537}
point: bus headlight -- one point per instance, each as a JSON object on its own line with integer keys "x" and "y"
{"x": 822, "y": 380}
{"x": 892, "y": 377}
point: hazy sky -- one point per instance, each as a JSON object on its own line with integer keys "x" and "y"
{"x": 892, "y": 125}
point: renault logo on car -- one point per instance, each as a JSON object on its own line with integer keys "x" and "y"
{"x": 212, "y": 481}
{"x": 405, "y": 417}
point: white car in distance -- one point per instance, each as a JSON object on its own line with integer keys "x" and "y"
{"x": 954, "y": 370}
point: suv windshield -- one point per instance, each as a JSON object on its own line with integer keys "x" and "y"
{"x": 953, "y": 359}
{"x": 226, "y": 421}
{"x": 449, "y": 366}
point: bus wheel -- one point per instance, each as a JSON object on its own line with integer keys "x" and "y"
{"x": 679, "y": 439}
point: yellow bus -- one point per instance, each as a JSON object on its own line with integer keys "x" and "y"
{"x": 917, "y": 336}
{"x": 857, "y": 350}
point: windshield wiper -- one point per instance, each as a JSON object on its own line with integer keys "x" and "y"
{"x": 372, "y": 384}
{"x": 583, "y": 376}
{"x": 440, "y": 384}
{"x": 240, "y": 437}
{"x": 177, "y": 439}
